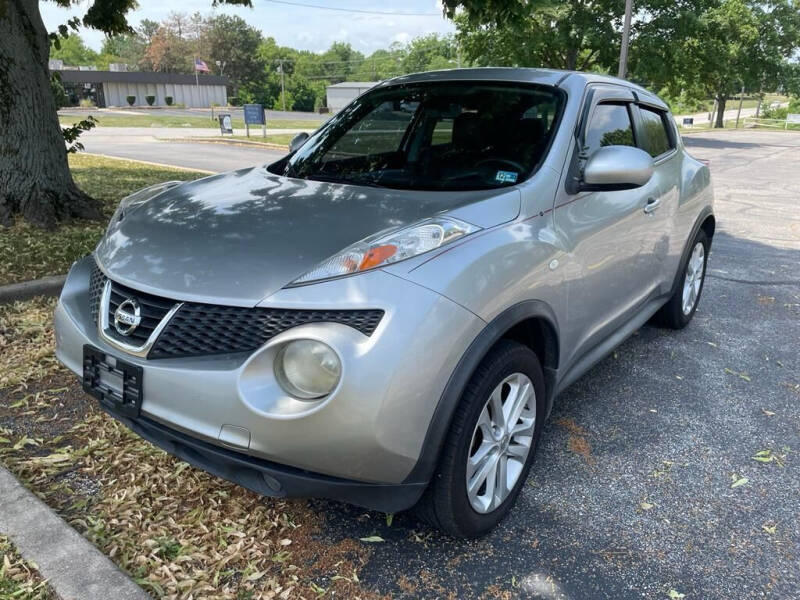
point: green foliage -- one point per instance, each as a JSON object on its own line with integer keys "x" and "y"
{"x": 73, "y": 51}
{"x": 150, "y": 100}
{"x": 131, "y": 100}
{"x": 560, "y": 35}
{"x": 73, "y": 132}
{"x": 714, "y": 47}
{"x": 59, "y": 94}
{"x": 169, "y": 100}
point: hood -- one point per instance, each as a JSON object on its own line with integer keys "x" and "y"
{"x": 238, "y": 237}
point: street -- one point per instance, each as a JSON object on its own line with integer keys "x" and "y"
{"x": 124, "y": 142}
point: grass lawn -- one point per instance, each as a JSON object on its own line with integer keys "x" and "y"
{"x": 29, "y": 253}
{"x": 176, "y": 530}
{"x": 20, "y": 578}
{"x": 187, "y": 121}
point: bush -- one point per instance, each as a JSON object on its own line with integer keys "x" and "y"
{"x": 168, "y": 100}
{"x": 86, "y": 103}
{"x": 59, "y": 94}
{"x": 233, "y": 101}
{"x": 131, "y": 100}
{"x": 150, "y": 100}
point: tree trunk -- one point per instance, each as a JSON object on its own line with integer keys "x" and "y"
{"x": 35, "y": 180}
{"x": 720, "y": 120}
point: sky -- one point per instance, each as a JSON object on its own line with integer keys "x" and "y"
{"x": 300, "y": 27}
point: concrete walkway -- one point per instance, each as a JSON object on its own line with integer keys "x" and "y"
{"x": 74, "y": 568}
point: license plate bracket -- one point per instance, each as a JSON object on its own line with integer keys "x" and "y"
{"x": 101, "y": 369}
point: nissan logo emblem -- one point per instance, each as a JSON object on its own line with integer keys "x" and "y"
{"x": 127, "y": 317}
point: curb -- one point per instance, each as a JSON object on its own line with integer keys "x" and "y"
{"x": 71, "y": 564}
{"x": 202, "y": 140}
{"x": 46, "y": 286}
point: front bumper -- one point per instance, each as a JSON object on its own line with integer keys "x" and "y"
{"x": 367, "y": 435}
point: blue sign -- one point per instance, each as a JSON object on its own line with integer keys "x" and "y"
{"x": 254, "y": 114}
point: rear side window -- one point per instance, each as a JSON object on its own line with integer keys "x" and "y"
{"x": 610, "y": 125}
{"x": 656, "y": 139}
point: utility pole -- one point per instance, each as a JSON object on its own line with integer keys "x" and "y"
{"x": 626, "y": 34}
{"x": 738, "y": 114}
{"x": 283, "y": 86}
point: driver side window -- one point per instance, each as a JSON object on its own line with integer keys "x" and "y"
{"x": 610, "y": 125}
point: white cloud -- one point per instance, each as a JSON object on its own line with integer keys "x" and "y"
{"x": 304, "y": 28}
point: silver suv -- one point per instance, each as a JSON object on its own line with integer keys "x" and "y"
{"x": 385, "y": 315}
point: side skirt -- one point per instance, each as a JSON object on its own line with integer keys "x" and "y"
{"x": 604, "y": 348}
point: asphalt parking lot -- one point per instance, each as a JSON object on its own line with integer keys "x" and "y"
{"x": 645, "y": 485}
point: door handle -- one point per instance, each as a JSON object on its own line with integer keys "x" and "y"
{"x": 652, "y": 204}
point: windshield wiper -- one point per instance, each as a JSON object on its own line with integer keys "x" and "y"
{"x": 342, "y": 179}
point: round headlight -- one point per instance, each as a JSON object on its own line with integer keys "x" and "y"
{"x": 307, "y": 369}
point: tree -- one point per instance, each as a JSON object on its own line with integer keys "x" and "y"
{"x": 563, "y": 35}
{"x": 231, "y": 40}
{"x": 74, "y": 52}
{"x": 35, "y": 180}
{"x": 714, "y": 48}
{"x": 126, "y": 48}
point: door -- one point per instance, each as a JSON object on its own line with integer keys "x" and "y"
{"x": 607, "y": 235}
{"x": 656, "y": 135}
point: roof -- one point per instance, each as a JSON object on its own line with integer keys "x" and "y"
{"x": 355, "y": 84}
{"x": 519, "y": 74}
{"x": 74, "y": 76}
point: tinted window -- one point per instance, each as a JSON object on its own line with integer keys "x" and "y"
{"x": 656, "y": 139}
{"x": 610, "y": 125}
{"x": 433, "y": 136}
{"x": 381, "y": 131}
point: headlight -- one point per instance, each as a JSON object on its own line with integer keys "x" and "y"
{"x": 307, "y": 369}
{"x": 385, "y": 249}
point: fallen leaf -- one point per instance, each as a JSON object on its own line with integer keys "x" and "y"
{"x": 675, "y": 595}
{"x": 740, "y": 481}
{"x": 770, "y": 529}
{"x": 645, "y": 505}
{"x": 372, "y": 539}
{"x": 769, "y": 413}
{"x": 389, "y": 519}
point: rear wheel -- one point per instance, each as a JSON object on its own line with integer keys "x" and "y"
{"x": 680, "y": 308}
{"x": 490, "y": 446}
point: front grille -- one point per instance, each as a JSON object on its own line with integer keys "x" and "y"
{"x": 153, "y": 310}
{"x": 96, "y": 283}
{"x": 198, "y": 329}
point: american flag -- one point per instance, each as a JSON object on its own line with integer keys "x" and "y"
{"x": 201, "y": 66}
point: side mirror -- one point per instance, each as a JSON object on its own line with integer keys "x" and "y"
{"x": 298, "y": 141}
{"x": 617, "y": 168}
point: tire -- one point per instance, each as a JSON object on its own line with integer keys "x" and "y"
{"x": 673, "y": 314}
{"x": 509, "y": 366}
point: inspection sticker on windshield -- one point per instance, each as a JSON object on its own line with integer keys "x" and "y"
{"x": 506, "y": 177}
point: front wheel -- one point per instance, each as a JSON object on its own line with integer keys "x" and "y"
{"x": 490, "y": 446}
{"x": 680, "y": 308}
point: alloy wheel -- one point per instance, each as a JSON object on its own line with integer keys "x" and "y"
{"x": 501, "y": 442}
{"x": 693, "y": 279}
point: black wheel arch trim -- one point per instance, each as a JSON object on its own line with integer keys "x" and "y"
{"x": 440, "y": 423}
{"x": 698, "y": 224}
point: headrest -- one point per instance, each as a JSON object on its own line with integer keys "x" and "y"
{"x": 467, "y": 131}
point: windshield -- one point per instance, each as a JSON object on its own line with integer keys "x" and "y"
{"x": 442, "y": 136}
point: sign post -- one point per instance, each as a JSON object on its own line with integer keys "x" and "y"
{"x": 225, "y": 124}
{"x": 688, "y": 121}
{"x": 254, "y": 115}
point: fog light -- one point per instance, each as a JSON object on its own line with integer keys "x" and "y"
{"x": 307, "y": 369}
